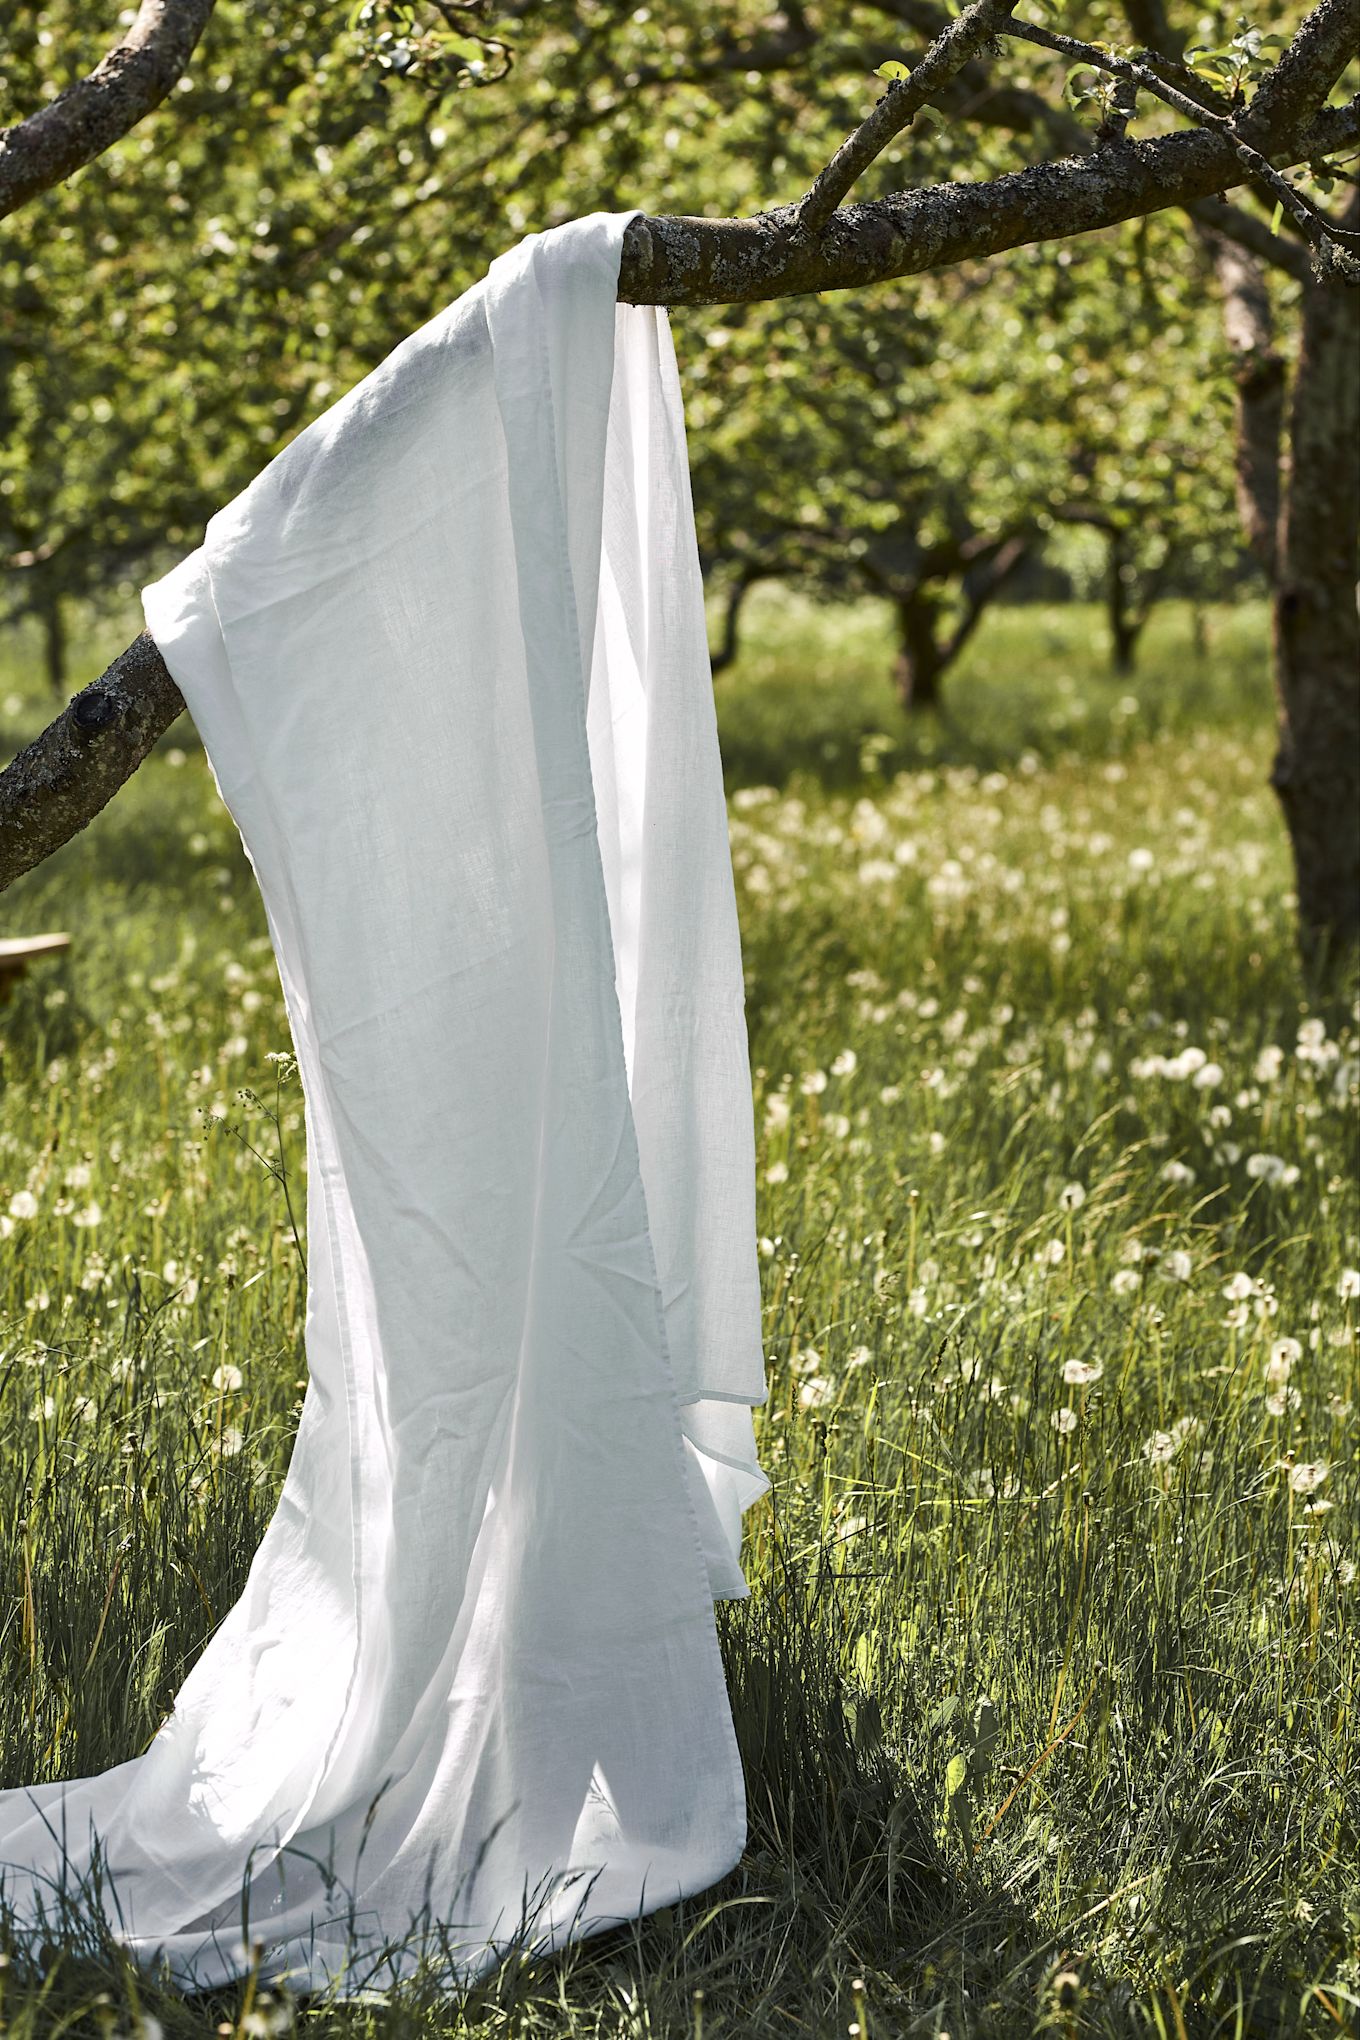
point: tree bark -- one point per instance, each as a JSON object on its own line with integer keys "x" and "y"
{"x": 920, "y": 660}
{"x": 738, "y": 590}
{"x": 65, "y": 776}
{"x": 1125, "y": 626}
{"x": 89, "y": 116}
{"x": 1316, "y": 628}
{"x": 1259, "y": 376}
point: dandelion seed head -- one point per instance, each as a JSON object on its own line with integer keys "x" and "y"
{"x": 1081, "y": 1373}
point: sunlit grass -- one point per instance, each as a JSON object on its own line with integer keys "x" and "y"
{"x": 1046, "y": 1687}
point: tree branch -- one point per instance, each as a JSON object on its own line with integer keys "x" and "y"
{"x": 682, "y": 261}
{"x": 65, "y": 777}
{"x": 950, "y": 51}
{"x": 1219, "y": 216}
{"x": 1135, "y": 76}
{"x": 1297, "y": 86}
{"x": 95, "y": 112}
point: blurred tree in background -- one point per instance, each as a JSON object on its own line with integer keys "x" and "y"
{"x": 321, "y": 182}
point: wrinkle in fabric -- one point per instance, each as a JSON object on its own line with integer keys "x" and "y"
{"x": 447, "y": 658}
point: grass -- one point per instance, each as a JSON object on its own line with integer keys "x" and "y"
{"x": 1045, "y": 1689}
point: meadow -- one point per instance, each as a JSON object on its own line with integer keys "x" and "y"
{"x": 1045, "y": 1689}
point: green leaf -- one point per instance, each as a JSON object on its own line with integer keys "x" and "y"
{"x": 956, "y": 1775}
{"x": 1277, "y": 216}
{"x": 931, "y": 115}
{"x": 895, "y": 72}
{"x": 462, "y": 46}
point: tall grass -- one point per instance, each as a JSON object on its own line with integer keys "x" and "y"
{"x": 1045, "y": 1689}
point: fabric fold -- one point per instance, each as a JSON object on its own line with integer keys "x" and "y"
{"x": 447, "y": 658}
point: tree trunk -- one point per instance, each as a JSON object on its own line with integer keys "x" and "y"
{"x": 1199, "y": 627}
{"x": 1259, "y": 374}
{"x": 739, "y": 588}
{"x": 1316, "y": 629}
{"x": 1125, "y": 626}
{"x": 916, "y": 673}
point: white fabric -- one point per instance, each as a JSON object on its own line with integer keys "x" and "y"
{"x": 446, "y": 656}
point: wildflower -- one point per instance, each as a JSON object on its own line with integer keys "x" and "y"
{"x": 1080, "y": 1373}
{"x": 1283, "y": 1355}
{"x": 227, "y": 1378}
{"x": 1272, "y": 1169}
{"x": 845, "y": 1063}
{"x": 985, "y": 1482}
{"x": 1072, "y": 1197}
{"x": 815, "y": 1392}
{"x": 837, "y": 1125}
{"x": 23, "y": 1204}
{"x": 776, "y": 1111}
